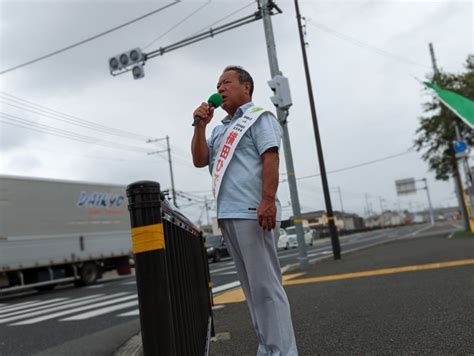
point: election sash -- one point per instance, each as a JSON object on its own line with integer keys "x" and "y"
{"x": 226, "y": 150}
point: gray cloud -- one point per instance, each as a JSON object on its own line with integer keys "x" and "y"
{"x": 367, "y": 104}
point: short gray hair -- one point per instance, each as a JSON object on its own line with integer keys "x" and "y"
{"x": 244, "y": 76}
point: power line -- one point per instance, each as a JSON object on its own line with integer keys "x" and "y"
{"x": 121, "y": 160}
{"x": 47, "y": 112}
{"x": 28, "y": 124}
{"x": 357, "y": 165}
{"x": 177, "y": 24}
{"x": 224, "y": 18}
{"x": 361, "y": 44}
{"x": 88, "y": 39}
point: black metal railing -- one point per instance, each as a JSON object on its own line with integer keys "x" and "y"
{"x": 173, "y": 281}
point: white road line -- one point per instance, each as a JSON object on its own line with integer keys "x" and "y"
{"x": 319, "y": 253}
{"x": 102, "y": 311}
{"x": 129, "y": 283}
{"x": 38, "y": 306}
{"x": 95, "y": 286}
{"x": 72, "y": 311}
{"x": 9, "y": 307}
{"x": 135, "y": 312}
{"x": 422, "y": 229}
{"x": 225, "y": 287}
{"x": 221, "y": 269}
{"x": 226, "y": 273}
{"x": 74, "y": 303}
{"x": 288, "y": 256}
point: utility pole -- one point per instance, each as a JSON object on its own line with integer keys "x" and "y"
{"x": 367, "y": 204}
{"x": 432, "y": 220}
{"x": 282, "y": 116}
{"x": 457, "y": 174}
{"x": 340, "y": 199}
{"x": 168, "y": 150}
{"x": 382, "y": 219}
{"x": 336, "y": 248}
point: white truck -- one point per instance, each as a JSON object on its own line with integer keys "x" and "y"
{"x": 54, "y": 231}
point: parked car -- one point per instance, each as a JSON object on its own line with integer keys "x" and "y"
{"x": 291, "y": 233}
{"x": 283, "y": 242}
{"x": 314, "y": 235}
{"x": 216, "y": 247}
{"x": 309, "y": 236}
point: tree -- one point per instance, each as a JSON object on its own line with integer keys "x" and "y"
{"x": 436, "y": 133}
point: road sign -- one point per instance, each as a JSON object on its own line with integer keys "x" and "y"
{"x": 460, "y": 146}
{"x": 405, "y": 186}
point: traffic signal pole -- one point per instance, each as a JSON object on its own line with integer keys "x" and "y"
{"x": 336, "y": 248}
{"x": 282, "y": 115}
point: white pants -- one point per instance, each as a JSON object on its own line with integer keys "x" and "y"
{"x": 256, "y": 260}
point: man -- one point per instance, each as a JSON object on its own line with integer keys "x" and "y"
{"x": 242, "y": 155}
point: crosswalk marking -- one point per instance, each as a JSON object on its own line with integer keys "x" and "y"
{"x": 72, "y": 311}
{"x": 319, "y": 253}
{"x": 95, "y": 286}
{"x": 225, "y": 287}
{"x": 74, "y": 303}
{"x": 34, "y": 307}
{"x": 135, "y": 312}
{"x": 221, "y": 269}
{"x": 129, "y": 283}
{"x": 102, "y": 311}
{"x": 8, "y": 307}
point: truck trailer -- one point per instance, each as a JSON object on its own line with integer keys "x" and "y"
{"x": 56, "y": 231}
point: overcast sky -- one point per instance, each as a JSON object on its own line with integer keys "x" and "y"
{"x": 364, "y": 60}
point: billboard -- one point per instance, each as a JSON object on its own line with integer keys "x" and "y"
{"x": 405, "y": 186}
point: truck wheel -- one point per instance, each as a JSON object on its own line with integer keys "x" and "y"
{"x": 89, "y": 273}
{"x": 217, "y": 256}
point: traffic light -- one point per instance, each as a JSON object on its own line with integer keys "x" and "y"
{"x": 131, "y": 60}
{"x": 138, "y": 71}
{"x": 281, "y": 87}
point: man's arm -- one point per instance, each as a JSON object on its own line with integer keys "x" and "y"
{"x": 266, "y": 211}
{"x": 199, "y": 148}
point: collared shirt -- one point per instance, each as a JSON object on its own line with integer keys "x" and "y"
{"x": 241, "y": 188}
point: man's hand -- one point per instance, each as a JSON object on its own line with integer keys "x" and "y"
{"x": 266, "y": 213}
{"x": 205, "y": 112}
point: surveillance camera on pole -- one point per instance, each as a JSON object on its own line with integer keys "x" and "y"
{"x": 131, "y": 60}
{"x": 281, "y": 87}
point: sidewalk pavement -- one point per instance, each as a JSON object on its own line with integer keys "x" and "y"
{"x": 410, "y": 296}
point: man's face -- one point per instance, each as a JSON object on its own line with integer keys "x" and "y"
{"x": 233, "y": 93}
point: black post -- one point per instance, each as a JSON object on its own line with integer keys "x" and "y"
{"x": 336, "y": 248}
{"x": 148, "y": 245}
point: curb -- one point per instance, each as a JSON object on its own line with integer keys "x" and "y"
{"x": 131, "y": 347}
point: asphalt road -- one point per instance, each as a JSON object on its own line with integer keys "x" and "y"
{"x": 31, "y": 322}
{"x": 413, "y": 296}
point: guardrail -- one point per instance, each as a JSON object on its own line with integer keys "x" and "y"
{"x": 173, "y": 281}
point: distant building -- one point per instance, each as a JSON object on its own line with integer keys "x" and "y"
{"x": 387, "y": 218}
{"x": 318, "y": 220}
